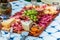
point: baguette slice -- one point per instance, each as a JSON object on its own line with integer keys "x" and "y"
{"x": 6, "y": 24}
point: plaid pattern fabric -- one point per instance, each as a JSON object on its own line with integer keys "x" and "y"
{"x": 52, "y": 32}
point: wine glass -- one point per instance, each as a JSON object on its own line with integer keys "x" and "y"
{"x": 56, "y": 4}
{"x": 34, "y": 2}
{"x": 5, "y": 9}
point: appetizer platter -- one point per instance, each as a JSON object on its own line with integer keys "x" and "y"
{"x": 33, "y": 19}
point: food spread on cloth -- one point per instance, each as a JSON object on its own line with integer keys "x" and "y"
{"x": 33, "y": 19}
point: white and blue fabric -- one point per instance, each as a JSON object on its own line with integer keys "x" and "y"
{"x": 52, "y": 32}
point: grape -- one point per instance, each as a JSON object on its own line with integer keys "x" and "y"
{"x": 32, "y": 14}
{"x": 35, "y": 17}
{"x": 25, "y": 11}
{"x": 27, "y": 14}
{"x": 29, "y": 11}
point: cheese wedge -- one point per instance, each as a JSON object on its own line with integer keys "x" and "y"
{"x": 27, "y": 25}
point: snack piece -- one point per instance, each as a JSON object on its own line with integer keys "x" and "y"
{"x": 17, "y": 26}
{"x": 45, "y": 19}
{"x": 6, "y": 24}
{"x": 27, "y": 25}
{"x": 31, "y": 14}
{"x": 36, "y": 30}
{"x": 50, "y": 10}
{"x": 38, "y": 8}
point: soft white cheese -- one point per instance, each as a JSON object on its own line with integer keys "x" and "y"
{"x": 26, "y": 25}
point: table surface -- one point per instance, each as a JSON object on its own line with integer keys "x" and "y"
{"x": 52, "y": 32}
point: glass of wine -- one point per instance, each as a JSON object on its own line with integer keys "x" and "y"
{"x": 5, "y": 9}
{"x": 56, "y": 4}
{"x": 34, "y": 2}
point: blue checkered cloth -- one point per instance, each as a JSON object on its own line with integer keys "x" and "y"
{"x": 52, "y": 32}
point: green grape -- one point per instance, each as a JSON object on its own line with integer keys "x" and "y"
{"x": 32, "y": 14}
{"x": 31, "y": 18}
{"x": 27, "y": 14}
{"x": 25, "y": 11}
{"x": 35, "y": 17}
{"x": 29, "y": 11}
{"x": 36, "y": 12}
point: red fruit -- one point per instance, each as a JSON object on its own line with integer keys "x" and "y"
{"x": 42, "y": 25}
{"x": 17, "y": 13}
{"x": 25, "y": 8}
{"x": 38, "y": 17}
{"x": 43, "y": 22}
{"x": 44, "y": 6}
{"x": 22, "y": 10}
{"x": 18, "y": 27}
{"x": 30, "y": 8}
{"x": 45, "y": 19}
{"x": 16, "y": 16}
